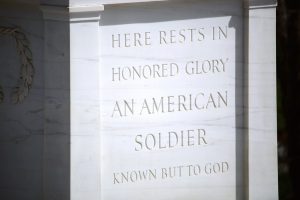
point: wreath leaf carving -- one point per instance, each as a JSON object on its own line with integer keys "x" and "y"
{"x": 26, "y": 75}
{"x": 1, "y": 94}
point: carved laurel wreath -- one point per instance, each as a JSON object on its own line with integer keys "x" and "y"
{"x": 27, "y": 69}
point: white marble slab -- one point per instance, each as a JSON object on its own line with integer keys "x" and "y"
{"x": 185, "y": 60}
{"x": 74, "y": 138}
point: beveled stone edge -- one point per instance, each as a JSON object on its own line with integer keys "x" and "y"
{"x": 72, "y": 13}
{"x": 86, "y": 8}
{"x": 260, "y": 4}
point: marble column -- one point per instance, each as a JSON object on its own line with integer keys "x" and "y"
{"x": 72, "y": 142}
{"x": 260, "y": 90}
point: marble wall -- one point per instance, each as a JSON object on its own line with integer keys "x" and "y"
{"x": 65, "y": 140}
{"x": 21, "y": 125}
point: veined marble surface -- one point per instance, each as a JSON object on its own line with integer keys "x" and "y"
{"x": 148, "y": 100}
{"x": 21, "y": 125}
{"x": 182, "y": 62}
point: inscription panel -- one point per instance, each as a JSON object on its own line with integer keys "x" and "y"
{"x": 170, "y": 90}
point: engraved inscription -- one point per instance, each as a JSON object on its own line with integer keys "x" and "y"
{"x": 171, "y": 139}
{"x": 168, "y": 37}
{"x": 132, "y": 71}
